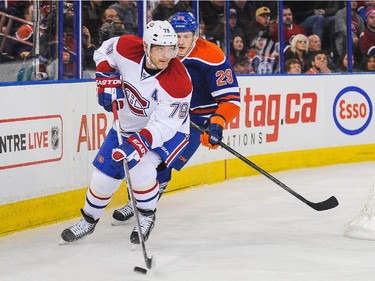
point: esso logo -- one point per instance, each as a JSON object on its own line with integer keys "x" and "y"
{"x": 352, "y": 110}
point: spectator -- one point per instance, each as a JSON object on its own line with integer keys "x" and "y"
{"x": 357, "y": 27}
{"x": 317, "y": 17}
{"x": 25, "y": 33}
{"x": 128, "y": 14}
{"x": 260, "y": 63}
{"x": 92, "y": 12}
{"x": 368, "y": 63}
{"x": 70, "y": 50}
{"x": 309, "y": 17}
{"x": 235, "y": 30}
{"x": 212, "y": 13}
{"x": 342, "y": 64}
{"x": 261, "y": 29}
{"x": 164, "y": 10}
{"x": 319, "y": 63}
{"x": 47, "y": 67}
{"x": 242, "y": 65}
{"x": 270, "y": 4}
{"x": 244, "y": 11}
{"x": 202, "y": 30}
{"x": 290, "y": 28}
{"x": 261, "y": 23}
{"x": 367, "y": 38}
{"x": 293, "y": 66}
{"x": 363, "y": 8}
{"x": 299, "y": 50}
{"x": 276, "y": 55}
{"x": 15, "y": 8}
{"x": 184, "y": 6}
{"x": 111, "y": 26}
{"x": 315, "y": 44}
{"x": 88, "y": 50}
{"x": 273, "y": 30}
{"x": 110, "y": 15}
{"x": 313, "y": 16}
{"x": 237, "y": 49}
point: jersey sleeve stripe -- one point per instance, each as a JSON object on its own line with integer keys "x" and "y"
{"x": 228, "y": 98}
{"x": 231, "y": 90}
{"x": 104, "y": 66}
{"x": 176, "y": 152}
{"x": 201, "y": 111}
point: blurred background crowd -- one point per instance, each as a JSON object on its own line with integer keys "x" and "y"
{"x": 315, "y": 37}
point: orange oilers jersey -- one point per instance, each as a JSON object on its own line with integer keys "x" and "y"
{"x": 215, "y": 86}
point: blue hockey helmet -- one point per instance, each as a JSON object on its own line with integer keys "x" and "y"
{"x": 184, "y": 22}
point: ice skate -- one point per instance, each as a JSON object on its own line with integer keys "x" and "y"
{"x": 147, "y": 221}
{"x": 85, "y": 226}
{"x": 123, "y": 214}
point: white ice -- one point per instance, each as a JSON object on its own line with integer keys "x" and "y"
{"x": 242, "y": 229}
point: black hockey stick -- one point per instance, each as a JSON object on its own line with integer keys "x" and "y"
{"x": 148, "y": 261}
{"x": 319, "y": 206}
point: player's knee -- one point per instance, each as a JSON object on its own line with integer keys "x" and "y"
{"x": 146, "y": 187}
{"x": 143, "y": 174}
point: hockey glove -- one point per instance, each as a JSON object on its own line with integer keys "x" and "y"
{"x": 133, "y": 149}
{"x": 213, "y": 132}
{"x": 109, "y": 88}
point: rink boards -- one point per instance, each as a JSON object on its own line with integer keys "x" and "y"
{"x": 50, "y": 133}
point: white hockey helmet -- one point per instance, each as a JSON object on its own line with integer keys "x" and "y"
{"x": 159, "y": 33}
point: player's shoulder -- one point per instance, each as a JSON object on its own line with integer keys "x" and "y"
{"x": 207, "y": 52}
{"x": 175, "y": 80}
{"x": 130, "y": 47}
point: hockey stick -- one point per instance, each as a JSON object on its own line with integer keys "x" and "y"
{"x": 319, "y": 206}
{"x": 148, "y": 261}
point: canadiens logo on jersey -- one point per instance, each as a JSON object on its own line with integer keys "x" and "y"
{"x": 137, "y": 103}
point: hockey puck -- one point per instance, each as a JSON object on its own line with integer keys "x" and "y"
{"x": 140, "y": 270}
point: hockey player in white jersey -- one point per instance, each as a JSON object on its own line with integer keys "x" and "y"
{"x": 153, "y": 91}
{"x": 215, "y": 98}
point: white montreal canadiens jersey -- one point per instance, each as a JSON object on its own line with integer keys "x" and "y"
{"x": 159, "y": 103}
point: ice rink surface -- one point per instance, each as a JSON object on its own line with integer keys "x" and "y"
{"x": 242, "y": 229}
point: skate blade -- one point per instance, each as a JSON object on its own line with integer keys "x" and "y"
{"x": 118, "y": 223}
{"x": 63, "y": 242}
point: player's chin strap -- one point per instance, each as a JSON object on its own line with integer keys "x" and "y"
{"x": 148, "y": 261}
{"x": 149, "y": 60}
{"x": 148, "y": 57}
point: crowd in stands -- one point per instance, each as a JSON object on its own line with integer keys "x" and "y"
{"x": 314, "y": 32}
